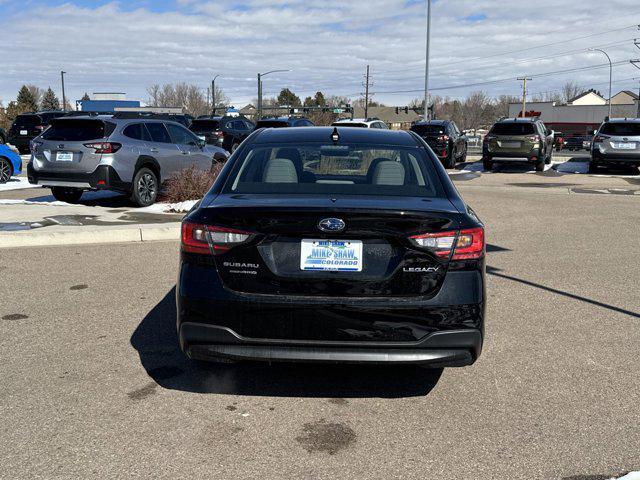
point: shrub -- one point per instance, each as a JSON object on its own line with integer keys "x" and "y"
{"x": 191, "y": 183}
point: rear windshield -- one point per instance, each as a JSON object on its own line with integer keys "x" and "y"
{"x": 272, "y": 124}
{"x": 357, "y": 169}
{"x": 204, "y": 125}
{"x": 349, "y": 124}
{"x": 513, "y": 129}
{"x": 629, "y": 129}
{"x": 73, "y": 130}
{"x": 28, "y": 120}
{"x": 424, "y": 130}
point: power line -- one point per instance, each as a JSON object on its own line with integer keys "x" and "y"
{"x": 559, "y": 42}
{"x": 509, "y": 79}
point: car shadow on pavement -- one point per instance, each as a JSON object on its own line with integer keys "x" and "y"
{"x": 156, "y": 341}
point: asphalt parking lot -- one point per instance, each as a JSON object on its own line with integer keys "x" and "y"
{"x": 93, "y": 384}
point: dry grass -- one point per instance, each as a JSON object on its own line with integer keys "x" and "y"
{"x": 189, "y": 184}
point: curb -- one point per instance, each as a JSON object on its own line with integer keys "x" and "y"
{"x": 80, "y": 236}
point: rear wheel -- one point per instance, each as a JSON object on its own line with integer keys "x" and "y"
{"x": 67, "y": 194}
{"x": 463, "y": 158}
{"x": 6, "y": 170}
{"x": 549, "y": 157}
{"x": 540, "y": 162}
{"x": 145, "y": 188}
{"x": 593, "y": 167}
{"x": 487, "y": 163}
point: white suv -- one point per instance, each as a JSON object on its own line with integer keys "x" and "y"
{"x": 361, "y": 122}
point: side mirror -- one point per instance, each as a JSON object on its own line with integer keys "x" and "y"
{"x": 220, "y": 157}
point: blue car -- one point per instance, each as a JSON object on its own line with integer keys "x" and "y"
{"x": 10, "y": 164}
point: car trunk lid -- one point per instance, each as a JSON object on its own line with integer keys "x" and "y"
{"x": 375, "y": 241}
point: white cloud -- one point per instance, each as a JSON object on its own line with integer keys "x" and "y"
{"x": 326, "y": 45}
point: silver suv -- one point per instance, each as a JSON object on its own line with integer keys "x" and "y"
{"x": 617, "y": 141}
{"x": 131, "y": 155}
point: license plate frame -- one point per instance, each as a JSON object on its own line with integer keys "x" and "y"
{"x": 331, "y": 255}
{"x": 64, "y": 156}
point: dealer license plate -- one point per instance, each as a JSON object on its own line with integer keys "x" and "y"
{"x": 331, "y": 255}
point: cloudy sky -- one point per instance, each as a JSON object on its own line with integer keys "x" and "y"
{"x": 476, "y": 45}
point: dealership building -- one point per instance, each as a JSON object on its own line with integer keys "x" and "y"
{"x": 582, "y": 114}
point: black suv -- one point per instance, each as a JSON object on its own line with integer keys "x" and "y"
{"x": 28, "y": 126}
{"x": 284, "y": 122}
{"x": 3, "y": 137}
{"x": 226, "y": 132}
{"x": 445, "y": 139}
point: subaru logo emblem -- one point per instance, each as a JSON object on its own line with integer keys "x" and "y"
{"x": 331, "y": 225}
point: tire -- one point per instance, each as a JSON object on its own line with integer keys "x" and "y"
{"x": 539, "y": 165}
{"x": 234, "y": 147}
{"x": 463, "y": 158}
{"x": 549, "y": 158}
{"x": 487, "y": 164}
{"x": 67, "y": 194}
{"x": 6, "y": 170}
{"x": 593, "y": 167}
{"x": 144, "y": 190}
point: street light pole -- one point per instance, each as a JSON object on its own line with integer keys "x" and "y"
{"x": 64, "y": 98}
{"x": 260, "y": 75}
{"x": 426, "y": 68}
{"x": 213, "y": 95}
{"x": 610, "y": 74}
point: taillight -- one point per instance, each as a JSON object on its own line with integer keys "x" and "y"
{"x": 486, "y": 139}
{"x": 469, "y": 243}
{"x": 210, "y": 239}
{"x": 534, "y": 138}
{"x": 443, "y": 138}
{"x": 219, "y": 133}
{"x": 40, "y": 127}
{"x": 600, "y": 138}
{"x": 104, "y": 147}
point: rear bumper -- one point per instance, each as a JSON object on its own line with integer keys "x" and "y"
{"x": 102, "y": 178}
{"x": 439, "y": 349}
{"x": 616, "y": 157}
{"x": 20, "y": 141}
{"x": 446, "y": 329}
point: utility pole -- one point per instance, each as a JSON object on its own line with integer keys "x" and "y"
{"x": 635, "y": 63}
{"x": 426, "y": 65}
{"x": 213, "y": 95}
{"x": 524, "y": 93}
{"x": 366, "y": 94}
{"x": 64, "y": 98}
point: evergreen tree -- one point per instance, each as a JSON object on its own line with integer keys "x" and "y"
{"x": 50, "y": 101}
{"x": 26, "y": 102}
{"x": 287, "y": 97}
{"x": 319, "y": 99}
{"x": 308, "y": 102}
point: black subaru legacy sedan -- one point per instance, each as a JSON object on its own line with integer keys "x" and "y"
{"x": 329, "y": 244}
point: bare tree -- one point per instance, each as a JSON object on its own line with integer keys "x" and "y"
{"x": 570, "y": 90}
{"x": 190, "y": 98}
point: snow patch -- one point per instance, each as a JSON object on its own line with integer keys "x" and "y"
{"x": 180, "y": 207}
{"x": 629, "y": 476}
{"x": 16, "y": 183}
